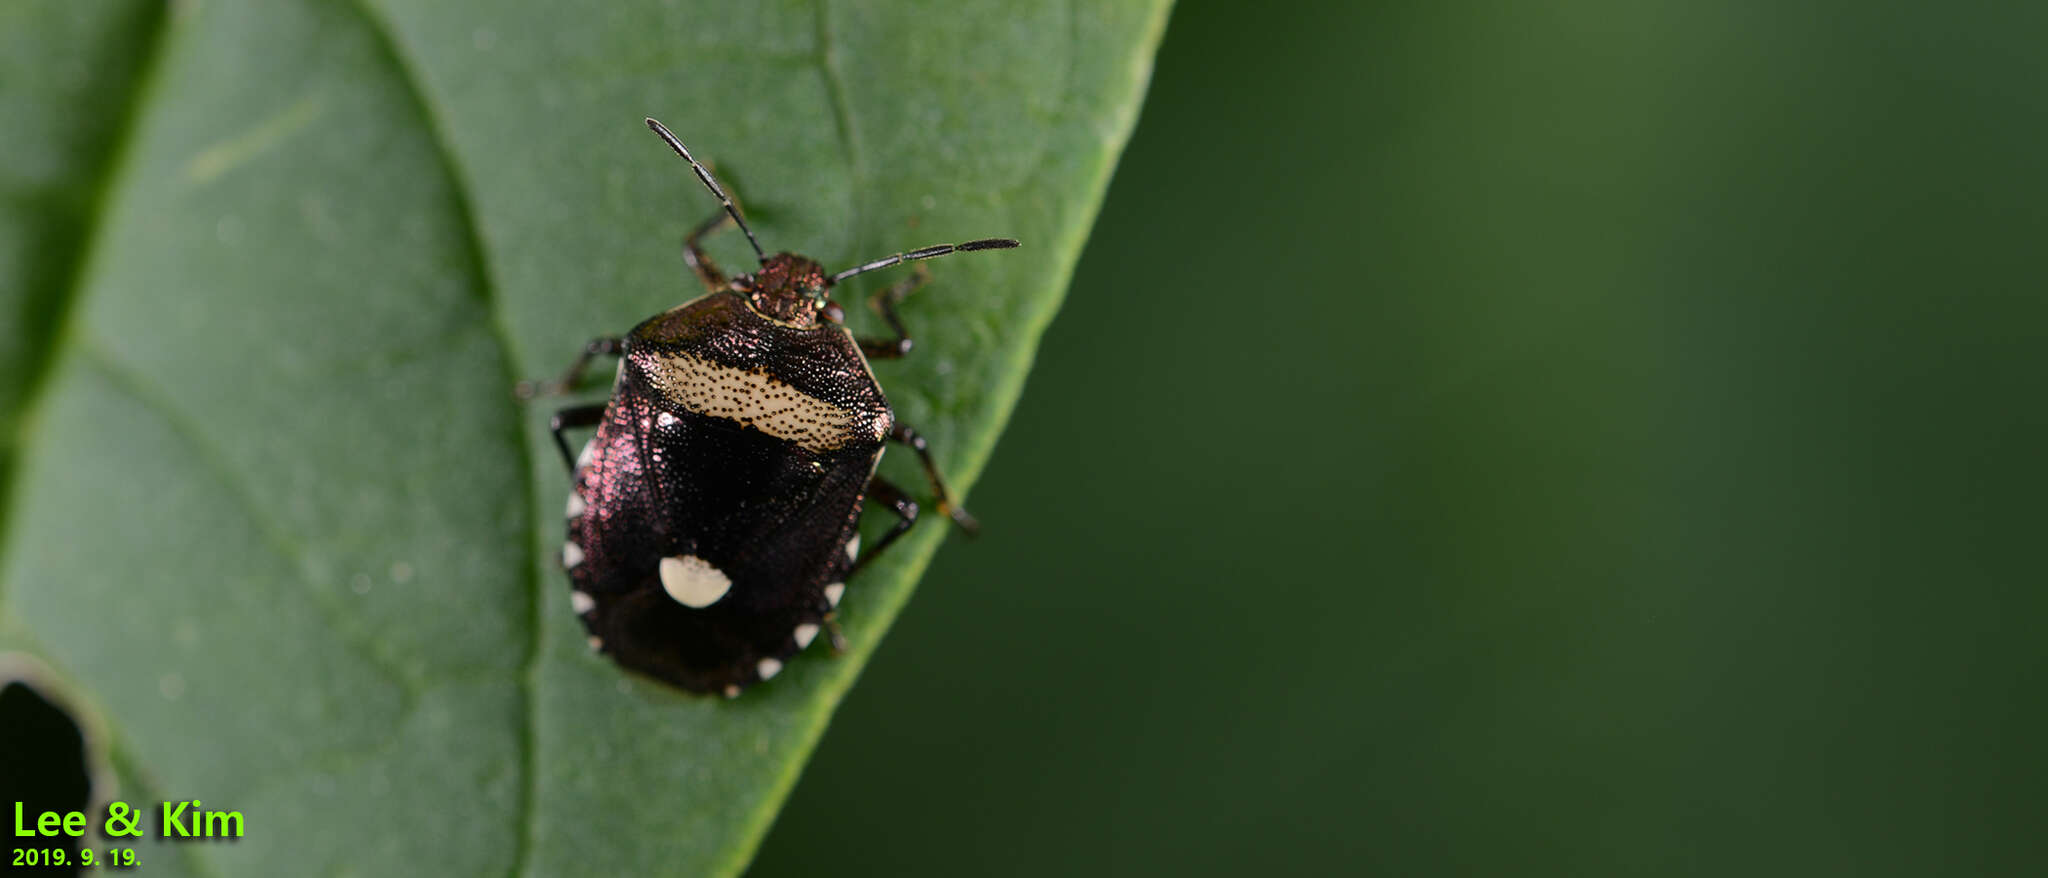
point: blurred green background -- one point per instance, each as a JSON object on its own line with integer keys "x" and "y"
{"x": 1574, "y": 438}
{"x": 1580, "y": 438}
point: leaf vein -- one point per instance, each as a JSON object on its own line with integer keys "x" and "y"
{"x": 842, "y": 112}
{"x": 131, "y": 383}
{"x": 125, "y": 762}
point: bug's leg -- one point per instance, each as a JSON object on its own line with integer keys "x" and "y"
{"x": 700, "y": 262}
{"x": 883, "y": 491}
{"x": 884, "y": 302}
{"x": 838, "y": 639}
{"x": 602, "y": 346}
{"x": 901, "y": 432}
{"x": 570, "y": 418}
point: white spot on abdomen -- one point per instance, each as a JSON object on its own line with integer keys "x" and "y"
{"x": 692, "y": 581}
{"x": 761, "y": 401}
{"x": 575, "y": 507}
{"x": 572, "y": 555}
{"x": 805, "y": 633}
{"x": 768, "y": 668}
{"x": 853, "y": 548}
{"x": 581, "y": 602}
{"x": 834, "y": 592}
{"x": 583, "y": 457}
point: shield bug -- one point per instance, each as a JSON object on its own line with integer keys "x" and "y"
{"x": 714, "y": 518}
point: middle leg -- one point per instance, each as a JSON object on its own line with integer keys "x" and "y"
{"x": 602, "y": 346}
{"x": 571, "y": 418}
{"x": 902, "y": 433}
{"x": 885, "y": 492}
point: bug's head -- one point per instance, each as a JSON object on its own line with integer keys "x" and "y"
{"x": 789, "y": 288}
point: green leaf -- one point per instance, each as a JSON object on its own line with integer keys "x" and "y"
{"x": 277, "y": 531}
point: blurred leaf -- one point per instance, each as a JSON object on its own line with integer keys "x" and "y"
{"x": 276, "y": 524}
{"x": 67, "y": 70}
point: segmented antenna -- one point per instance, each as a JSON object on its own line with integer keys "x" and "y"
{"x": 925, "y": 253}
{"x": 709, "y": 183}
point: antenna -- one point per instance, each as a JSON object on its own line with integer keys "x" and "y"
{"x": 925, "y": 253}
{"x": 711, "y": 184}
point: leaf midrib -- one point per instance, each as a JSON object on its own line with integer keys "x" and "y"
{"x": 62, "y": 306}
{"x": 108, "y": 185}
{"x": 114, "y": 181}
{"x": 487, "y": 288}
{"x": 62, "y": 309}
{"x": 479, "y": 252}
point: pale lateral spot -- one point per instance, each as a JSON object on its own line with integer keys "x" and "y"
{"x": 768, "y": 668}
{"x": 834, "y": 592}
{"x": 596, "y": 644}
{"x": 581, "y": 603}
{"x": 666, "y": 419}
{"x": 692, "y": 581}
{"x": 761, "y": 401}
{"x": 572, "y": 555}
{"x": 853, "y": 548}
{"x": 583, "y": 457}
{"x": 805, "y": 633}
{"x": 575, "y": 507}
{"x": 732, "y": 690}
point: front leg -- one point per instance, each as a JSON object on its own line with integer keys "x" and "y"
{"x": 700, "y": 261}
{"x": 884, "y": 303}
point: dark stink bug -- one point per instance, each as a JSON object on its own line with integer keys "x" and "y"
{"x": 713, "y": 523}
